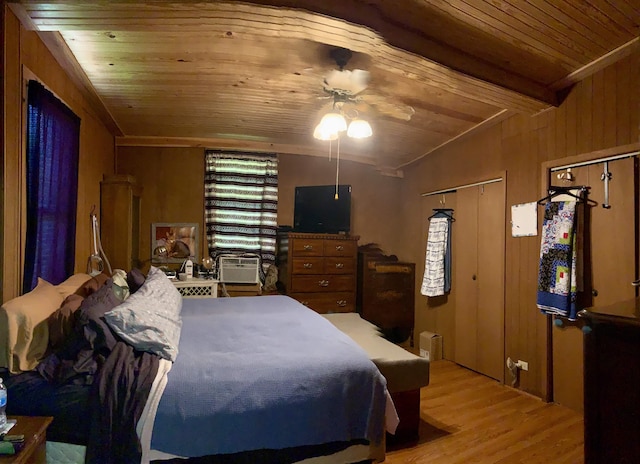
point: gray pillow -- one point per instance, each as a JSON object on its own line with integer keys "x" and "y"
{"x": 149, "y": 320}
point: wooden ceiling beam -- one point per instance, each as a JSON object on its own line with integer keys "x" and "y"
{"x": 394, "y": 30}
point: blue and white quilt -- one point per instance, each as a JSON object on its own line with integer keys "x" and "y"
{"x": 265, "y": 373}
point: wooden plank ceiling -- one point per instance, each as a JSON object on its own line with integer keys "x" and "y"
{"x": 250, "y": 74}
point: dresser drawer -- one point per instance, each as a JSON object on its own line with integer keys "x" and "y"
{"x": 323, "y": 283}
{"x": 308, "y": 265}
{"x": 339, "y": 265}
{"x": 337, "y": 302}
{"x": 316, "y": 265}
{"x": 307, "y": 247}
{"x": 340, "y": 248}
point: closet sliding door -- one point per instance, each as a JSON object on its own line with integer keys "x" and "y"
{"x": 479, "y": 278}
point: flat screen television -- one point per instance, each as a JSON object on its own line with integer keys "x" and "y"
{"x": 316, "y": 210}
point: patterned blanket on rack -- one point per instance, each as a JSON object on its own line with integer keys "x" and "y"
{"x": 557, "y": 283}
{"x": 434, "y": 281}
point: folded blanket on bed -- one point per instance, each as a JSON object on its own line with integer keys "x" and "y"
{"x": 557, "y": 287}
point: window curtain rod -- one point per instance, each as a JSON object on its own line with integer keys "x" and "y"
{"x": 459, "y": 187}
{"x": 595, "y": 161}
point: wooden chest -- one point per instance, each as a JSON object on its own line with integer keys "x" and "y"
{"x": 386, "y": 294}
{"x": 319, "y": 270}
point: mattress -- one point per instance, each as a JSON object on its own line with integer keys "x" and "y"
{"x": 404, "y": 371}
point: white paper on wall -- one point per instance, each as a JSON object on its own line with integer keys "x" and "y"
{"x": 524, "y": 220}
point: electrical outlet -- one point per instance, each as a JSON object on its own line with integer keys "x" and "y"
{"x": 524, "y": 365}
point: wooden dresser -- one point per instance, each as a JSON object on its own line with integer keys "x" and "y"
{"x": 386, "y": 294}
{"x": 612, "y": 383}
{"x": 319, "y": 270}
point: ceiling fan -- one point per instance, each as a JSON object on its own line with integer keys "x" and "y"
{"x": 350, "y": 87}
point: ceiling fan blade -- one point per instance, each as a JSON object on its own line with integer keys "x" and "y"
{"x": 346, "y": 82}
{"x": 395, "y": 110}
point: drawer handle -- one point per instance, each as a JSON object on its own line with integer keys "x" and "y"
{"x": 323, "y": 283}
{"x": 339, "y": 265}
{"x": 307, "y": 265}
{"x": 306, "y": 303}
{"x": 308, "y": 247}
{"x": 339, "y": 248}
{"x": 341, "y": 303}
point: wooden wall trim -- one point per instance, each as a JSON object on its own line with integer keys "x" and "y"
{"x": 12, "y": 182}
{"x": 489, "y": 122}
{"x": 597, "y": 65}
{"x": 2, "y": 140}
{"x": 313, "y": 149}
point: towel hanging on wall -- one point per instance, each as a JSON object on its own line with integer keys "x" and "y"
{"x": 437, "y": 267}
{"x": 557, "y": 277}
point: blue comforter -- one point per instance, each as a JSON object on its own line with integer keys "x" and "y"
{"x": 265, "y": 373}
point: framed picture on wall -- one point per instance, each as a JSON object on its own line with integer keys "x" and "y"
{"x": 173, "y": 242}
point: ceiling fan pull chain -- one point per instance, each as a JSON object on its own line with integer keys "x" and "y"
{"x": 337, "y": 166}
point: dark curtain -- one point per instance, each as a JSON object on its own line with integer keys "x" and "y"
{"x": 53, "y": 145}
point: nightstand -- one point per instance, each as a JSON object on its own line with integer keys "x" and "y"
{"x": 34, "y": 430}
{"x": 197, "y": 288}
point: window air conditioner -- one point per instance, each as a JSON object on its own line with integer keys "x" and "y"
{"x": 238, "y": 270}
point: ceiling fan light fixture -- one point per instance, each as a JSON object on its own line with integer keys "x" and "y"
{"x": 359, "y": 129}
{"x": 333, "y": 122}
{"x": 322, "y": 133}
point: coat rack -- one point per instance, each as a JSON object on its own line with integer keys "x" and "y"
{"x": 555, "y": 191}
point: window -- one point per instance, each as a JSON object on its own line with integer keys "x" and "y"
{"x": 53, "y": 141}
{"x": 241, "y": 204}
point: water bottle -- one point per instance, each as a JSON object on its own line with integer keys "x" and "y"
{"x": 188, "y": 268}
{"x": 3, "y": 404}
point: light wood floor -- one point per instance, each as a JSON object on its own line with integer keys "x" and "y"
{"x": 469, "y": 418}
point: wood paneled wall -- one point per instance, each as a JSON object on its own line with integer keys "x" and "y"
{"x": 173, "y": 190}
{"x": 172, "y": 181}
{"x": 22, "y": 50}
{"x": 375, "y": 199}
{"x": 600, "y": 112}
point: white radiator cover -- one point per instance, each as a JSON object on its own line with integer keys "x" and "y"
{"x": 238, "y": 270}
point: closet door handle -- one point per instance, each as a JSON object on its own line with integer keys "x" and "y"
{"x": 636, "y": 283}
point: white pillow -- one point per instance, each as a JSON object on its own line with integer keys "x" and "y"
{"x": 149, "y": 320}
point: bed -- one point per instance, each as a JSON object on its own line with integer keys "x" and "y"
{"x": 252, "y": 380}
{"x": 405, "y": 372}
